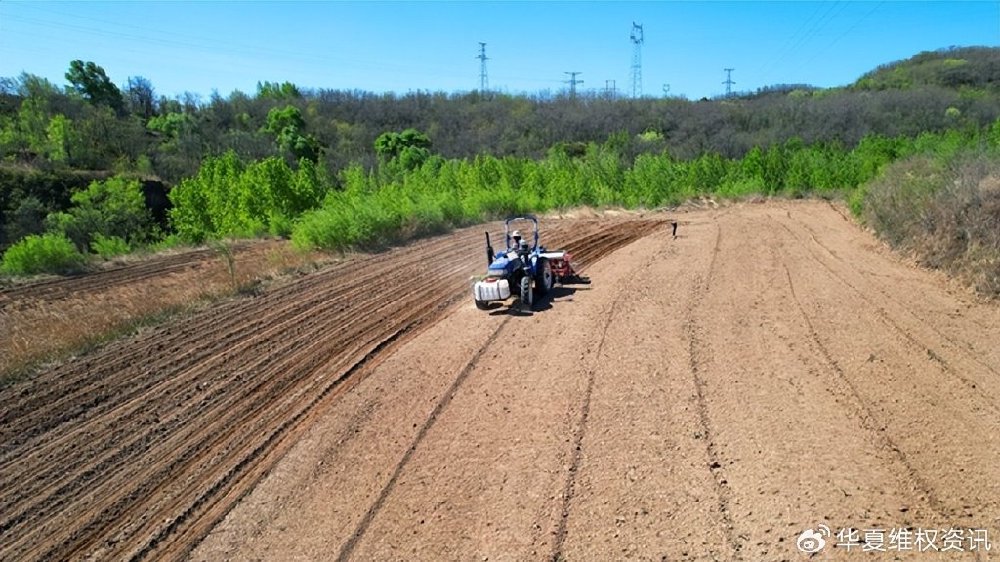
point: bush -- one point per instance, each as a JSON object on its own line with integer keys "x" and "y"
{"x": 168, "y": 242}
{"x": 109, "y": 246}
{"x": 45, "y": 253}
{"x": 230, "y": 198}
{"x": 114, "y": 208}
{"x": 946, "y": 212}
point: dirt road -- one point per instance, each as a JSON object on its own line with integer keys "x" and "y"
{"x": 713, "y": 396}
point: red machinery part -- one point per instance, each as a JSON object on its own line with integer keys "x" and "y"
{"x": 561, "y": 267}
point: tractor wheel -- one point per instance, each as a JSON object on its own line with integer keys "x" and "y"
{"x": 543, "y": 278}
{"x": 526, "y": 293}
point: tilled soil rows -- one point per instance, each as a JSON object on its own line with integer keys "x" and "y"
{"x": 770, "y": 377}
{"x": 140, "y": 448}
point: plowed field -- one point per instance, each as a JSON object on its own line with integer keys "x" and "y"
{"x": 711, "y": 396}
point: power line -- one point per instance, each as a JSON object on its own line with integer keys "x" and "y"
{"x": 484, "y": 81}
{"x": 572, "y": 83}
{"x": 845, "y": 33}
{"x": 638, "y": 39}
{"x": 833, "y": 11}
{"x": 142, "y": 38}
{"x": 729, "y": 81}
{"x": 790, "y": 40}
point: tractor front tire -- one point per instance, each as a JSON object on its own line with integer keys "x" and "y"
{"x": 526, "y": 293}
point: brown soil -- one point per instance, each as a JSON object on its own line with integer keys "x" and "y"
{"x": 705, "y": 397}
{"x": 44, "y": 319}
{"x": 141, "y": 447}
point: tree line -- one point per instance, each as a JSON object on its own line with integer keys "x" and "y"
{"x": 248, "y": 164}
{"x": 92, "y": 124}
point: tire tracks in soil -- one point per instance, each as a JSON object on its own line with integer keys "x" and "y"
{"x": 915, "y": 471}
{"x": 967, "y": 350}
{"x": 569, "y": 489}
{"x": 163, "y": 433}
{"x": 696, "y": 353}
{"x": 869, "y": 421}
{"x": 443, "y": 402}
{"x": 902, "y": 334}
{"x": 576, "y": 453}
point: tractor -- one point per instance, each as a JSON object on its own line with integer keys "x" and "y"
{"x": 522, "y": 270}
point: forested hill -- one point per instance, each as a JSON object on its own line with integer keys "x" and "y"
{"x": 57, "y": 138}
{"x": 91, "y": 124}
{"x": 973, "y": 69}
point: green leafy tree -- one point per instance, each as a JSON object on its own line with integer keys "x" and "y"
{"x": 62, "y": 138}
{"x": 409, "y": 149}
{"x": 172, "y": 124}
{"x": 287, "y": 125}
{"x": 230, "y": 198}
{"x": 112, "y": 208}
{"x": 26, "y": 135}
{"x": 274, "y": 90}
{"x": 89, "y": 80}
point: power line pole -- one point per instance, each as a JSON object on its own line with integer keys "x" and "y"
{"x": 638, "y": 39}
{"x": 572, "y": 83}
{"x": 610, "y": 90}
{"x": 484, "y": 81}
{"x": 729, "y": 81}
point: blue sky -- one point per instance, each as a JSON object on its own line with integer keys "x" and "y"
{"x": 403, "y": 46}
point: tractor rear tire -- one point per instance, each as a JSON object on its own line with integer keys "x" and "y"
{"x": 543, "y": 278}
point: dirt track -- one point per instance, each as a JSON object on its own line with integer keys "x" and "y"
{"x": 709, "y": 397}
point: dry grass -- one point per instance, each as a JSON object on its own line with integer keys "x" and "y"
{"x": 38, "y": 330}
{"x": 947, "y": 215}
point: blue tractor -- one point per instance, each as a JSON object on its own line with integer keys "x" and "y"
{"x": 524, "y": 270}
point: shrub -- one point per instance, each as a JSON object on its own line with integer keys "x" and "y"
{"x": 230, "y": 198}
{"x": 946, "y": 211}
{"x": 44, "y": 253}
{"x": 109, "y": 246}
{"x": 112, "y": 208}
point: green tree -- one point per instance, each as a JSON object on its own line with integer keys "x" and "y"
{"x": 230, "y": 198}
{"x": 410, "y": 148}
{"x": 112, "y": 208}
{"x": 287, "y": 125}
{"x": 62, "y": 139}
{"x": 273, "y": 90}
{"x": 89, "y": 80}
{"x": 171, "y": 124}
{"x": 28, "y": 135}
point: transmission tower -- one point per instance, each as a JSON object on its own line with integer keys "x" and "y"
{"x": 572, "y": 83}
{"x": 484, "y": 80}
{"x": 637, "y": 40}
{"x": 729, "y": 81}
{"x": 610, "y": 90}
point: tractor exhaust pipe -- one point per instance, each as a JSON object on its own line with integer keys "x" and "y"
{"x": 489, "y": 251}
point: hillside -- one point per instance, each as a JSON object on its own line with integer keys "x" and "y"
{"x": 963, "y": 68}
{"x": 348, "y": 169}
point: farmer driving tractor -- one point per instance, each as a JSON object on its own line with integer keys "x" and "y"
{"x": 519, "y": 246}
